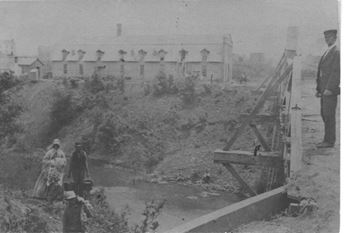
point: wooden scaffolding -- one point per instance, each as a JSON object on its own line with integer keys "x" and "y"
{"x": 282, "y": 92}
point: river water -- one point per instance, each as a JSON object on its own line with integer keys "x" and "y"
{"x": 183, "y": 202}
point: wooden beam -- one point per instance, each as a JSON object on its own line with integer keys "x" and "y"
{"x": 231, "y": 169}
{"x": 296, "y": 118}
{"x": 292, "y": 38}
{"x": 260, "y": 137}
{"x": 260, "y": 118}
{"x": 267, "y": 159}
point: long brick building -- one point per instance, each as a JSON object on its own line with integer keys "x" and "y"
{"x": 142, "y": 57}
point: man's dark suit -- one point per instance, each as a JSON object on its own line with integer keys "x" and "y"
{"x": 328, "y": 78}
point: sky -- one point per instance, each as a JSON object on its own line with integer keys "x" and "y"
{"x": 255, "y": 25}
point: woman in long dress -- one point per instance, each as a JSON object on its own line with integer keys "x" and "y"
{"x": 53, "y": 165}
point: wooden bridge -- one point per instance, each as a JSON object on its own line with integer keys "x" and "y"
{"x": 281, "y": 155}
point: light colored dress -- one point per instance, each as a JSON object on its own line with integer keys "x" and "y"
{"x": 53, "y": 165}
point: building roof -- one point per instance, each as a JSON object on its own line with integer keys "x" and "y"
{"x": 151, "y": 44}
{"x": 27, "y": 61}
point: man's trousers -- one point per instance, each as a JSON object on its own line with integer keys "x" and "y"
{"x": 328, "y": 112}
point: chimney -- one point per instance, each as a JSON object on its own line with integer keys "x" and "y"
{"x": 118, "y": 29}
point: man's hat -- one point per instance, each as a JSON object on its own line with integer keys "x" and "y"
{"x": 77, "y": 144}
{"x": 56, "y": 142}
{"x": 329, "y": 32}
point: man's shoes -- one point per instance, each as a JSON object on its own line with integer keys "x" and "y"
{"x": 325, "y": 145}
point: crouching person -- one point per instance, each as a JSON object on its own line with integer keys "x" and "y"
{"x": 72, "y": 216}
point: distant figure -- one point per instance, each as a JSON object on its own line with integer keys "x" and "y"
{"x": 53, "y": 165}
{"x": 78, "y": 168}
{"x": 243, "y": 78}
{"x": 206, "y": 178}
{"x": 327, "y": 88}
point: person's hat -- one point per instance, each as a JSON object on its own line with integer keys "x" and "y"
{"x": 330, "y": 32}
{"x": 77, "y": 144}
{"x": 56, "y": 142}
{"x": 69, "y": 195}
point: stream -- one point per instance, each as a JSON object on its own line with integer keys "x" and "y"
{"x": 183, "y": 202}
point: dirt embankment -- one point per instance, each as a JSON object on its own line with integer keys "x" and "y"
{"x": 164, "y": 135}
{"x": 161, "y": 134}
{"x": 319, "y": 178}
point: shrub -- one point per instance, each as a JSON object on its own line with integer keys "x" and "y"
{"x": 111, "y": 135}
{"x": 9, "y": 112}
{"x": 63, "y": 112}
{"x": 120, "y": 84}
{"x": 164, "y": 85}
{"x": 150, "y": 213}
{"x": 160, "y": 85}
{"x": 104, "y": 219}
{"x": 94, "y": 85}
{"x": 187, "y": 92}
{"x": 7, "y": 81}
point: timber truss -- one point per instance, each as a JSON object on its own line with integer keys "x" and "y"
{"x": 280, "y": 92}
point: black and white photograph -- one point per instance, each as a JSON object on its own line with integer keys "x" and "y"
{"x": 170, "y": 116}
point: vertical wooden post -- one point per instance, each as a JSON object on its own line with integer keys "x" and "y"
{"x": 296, "y": 118}
{"x": 291, "y": 42}
{"x": 227, "y": 58}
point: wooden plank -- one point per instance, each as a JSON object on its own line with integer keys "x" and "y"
{"x": 296, "y": 118}
{"x": 260, "y": 118}
{"x": 232, "y": 170}
{"x": 292, "y": 38}
{"x": 260, "y": 137}
{"x": 227, "y": 219}
{"x": 267, "y": 159}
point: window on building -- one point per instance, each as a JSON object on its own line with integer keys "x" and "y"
{"x": 204, "y": 70}
{"x": 65, "y": 68}
{"x": 183, "y": 53}
{"x": 122, "y": 69}
{"x": 81, "y": 69}
{"x": 141, "y": 69}
{"x": 204, "y": 54}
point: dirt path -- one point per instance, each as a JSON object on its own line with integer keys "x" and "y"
{"x": 319, "y": 178}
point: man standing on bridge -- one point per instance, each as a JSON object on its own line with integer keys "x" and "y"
{"x": 328, "y": 80}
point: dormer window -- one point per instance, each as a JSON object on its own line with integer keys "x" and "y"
{"x": 81, "y": 54}
{"x": 99, "y": 54}
{"x": 183, "y": 53}
{"x": 161, "y": 54}
{"x": 204, "y": 54}
{"x": 64, "y": 54}
{"x": 142, "y": 53}
{"x": 122, "y": 54}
